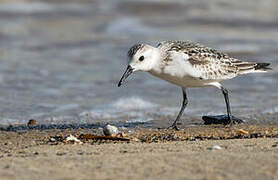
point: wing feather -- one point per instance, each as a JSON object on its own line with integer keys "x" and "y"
{"x": 210, "y": 63}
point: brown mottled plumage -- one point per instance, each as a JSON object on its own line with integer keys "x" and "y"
{"x": 213, "y": 64}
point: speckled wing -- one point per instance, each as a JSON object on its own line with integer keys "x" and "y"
{"x": 211, "y": 64}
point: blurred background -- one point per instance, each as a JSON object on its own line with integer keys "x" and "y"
{"x": 60, "y": 60}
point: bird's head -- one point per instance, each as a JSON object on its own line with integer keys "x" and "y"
{"x": 141, "y": 57}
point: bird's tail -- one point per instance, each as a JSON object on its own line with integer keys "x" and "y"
{"x": 251, "y": 67}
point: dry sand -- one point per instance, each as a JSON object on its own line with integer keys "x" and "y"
{"x": 150, "y": 154}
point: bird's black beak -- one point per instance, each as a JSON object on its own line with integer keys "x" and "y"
{"x": 128, "y": 72}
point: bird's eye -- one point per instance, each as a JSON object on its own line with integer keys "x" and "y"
{"x": 141, "y": 58}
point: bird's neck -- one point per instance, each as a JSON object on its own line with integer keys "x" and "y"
{"x": 155, "y": 58}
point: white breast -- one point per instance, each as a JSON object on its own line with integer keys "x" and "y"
{"x": 180, "y": 66}
{"x": 179, "y": 71}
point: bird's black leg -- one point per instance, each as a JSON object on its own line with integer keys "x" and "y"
{"x": 223, "y": 119}
{"x": 184, "y": 104}
{"x": 226, "y": 96}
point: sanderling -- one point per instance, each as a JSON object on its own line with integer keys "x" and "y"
{"x": 187, "y": 65}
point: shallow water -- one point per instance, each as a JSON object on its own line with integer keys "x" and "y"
{"x": 61, "y": 60}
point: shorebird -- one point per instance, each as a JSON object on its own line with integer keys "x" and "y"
{"x": 188, "y": 64}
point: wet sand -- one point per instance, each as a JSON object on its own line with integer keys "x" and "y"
{"x": 246, "y": 152}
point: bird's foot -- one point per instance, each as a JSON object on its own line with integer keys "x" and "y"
{"x": 221, "y": 119}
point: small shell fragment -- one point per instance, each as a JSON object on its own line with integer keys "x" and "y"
{"x": 110, "y": 130}
{"x": 71, "y": 138}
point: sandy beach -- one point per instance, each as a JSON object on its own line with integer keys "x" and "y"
{"x": 192, "y": 153}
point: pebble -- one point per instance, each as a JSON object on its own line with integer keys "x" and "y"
{"x": 110, "y": 130}
{"x": 52, "y": 139}
{"x": 60, "y": 153}
{"x": 31, "y": 123}
{"x": 8, "y": 143}
{"x": 275, "y": 144}
{"x": 215, "y": 147}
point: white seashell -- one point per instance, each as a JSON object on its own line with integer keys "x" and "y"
{"x": 109, "y": 130}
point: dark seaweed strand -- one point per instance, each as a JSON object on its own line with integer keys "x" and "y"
{"x": 134, "y": 49}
